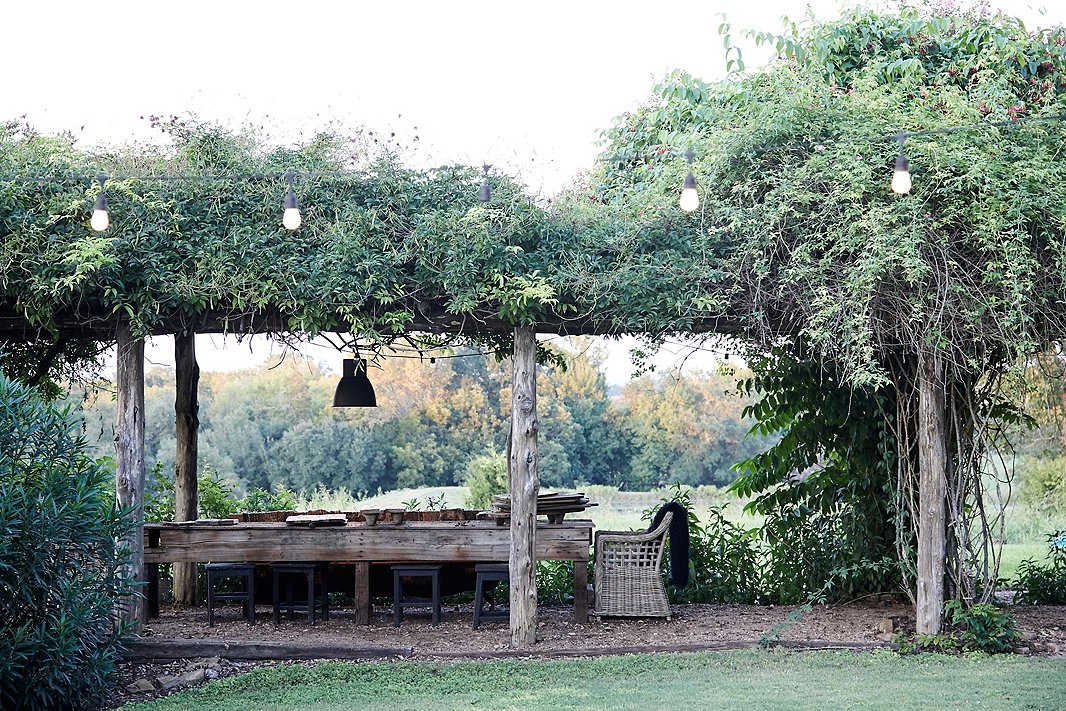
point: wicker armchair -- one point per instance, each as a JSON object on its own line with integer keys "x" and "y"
{"x": 628, "y": 581}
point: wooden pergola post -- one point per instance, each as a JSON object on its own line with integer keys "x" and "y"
{"x": 129, "y": 458}
{"x": 187, "y": 426}
{"x": 524, "y": 487}
{"x": 932, "y": 492}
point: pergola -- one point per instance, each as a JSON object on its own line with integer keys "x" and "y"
{"x": 385, "y": 252}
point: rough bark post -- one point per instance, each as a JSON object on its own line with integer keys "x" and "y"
{"x": 524, "y": 487}
{"x": 129, "y": 459}
{"x": 187, "y": 428}
{"x": 932, "y": 492}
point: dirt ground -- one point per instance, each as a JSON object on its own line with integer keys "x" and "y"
{"x": 858, "y": 624}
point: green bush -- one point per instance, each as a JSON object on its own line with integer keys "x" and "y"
{"x": 1044, "y": 584}
{"x": 555, "y": 582}
{"x": 158, "y": 496}
{"x": 486, "y": 475}
{"x": 61, "y": 572}
{"x": 281, "y": 499}
{"x": 724, "y": 557}
{"x": 215, "y": 497}
{"x": 983, "y": 626}
{"x": 1043, "y": 483}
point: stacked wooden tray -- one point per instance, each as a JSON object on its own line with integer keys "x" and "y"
{"x": 315, "y": 520}
{"x": 554, "y": 505}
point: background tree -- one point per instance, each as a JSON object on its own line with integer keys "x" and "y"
{"x": 434, "y": 420}
{"x": 688, "y": 430}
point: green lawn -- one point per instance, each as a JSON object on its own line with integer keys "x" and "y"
{"x": 1015, "y": 553}
{"x": 813, "y": 681}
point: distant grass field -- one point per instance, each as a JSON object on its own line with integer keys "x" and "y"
{"x": 740, "y": 681}
{"x": 1015, "y": 553}
{"x": 615, "y": 510}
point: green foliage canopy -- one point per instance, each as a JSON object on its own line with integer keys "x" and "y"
{"x": 798, "y": 232}
{"x": 383, "y": 249}
{"x": 794, "y": 166}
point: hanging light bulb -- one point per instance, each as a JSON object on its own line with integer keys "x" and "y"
{"x": 100, "y": 219}
{"x": 486, "y": 192}
{"x": 690, "y": 199}
{"x": 901, "y": 176}
{"x": 291, "y": 218}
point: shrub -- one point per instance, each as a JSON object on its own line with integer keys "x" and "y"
{"x": 486, "y": 475}
{"x": 281, "y": 499}
{"x": 724, "y": 557}
{"x": 215, "y": 496}
{"x": 983, "y": 626}
{"x": 61, "y": 572}
{"x": 158, "y": 496}
{"x": 1044, "y": 584}
{"x": 555, "y": 582}
{"x": 978, "y": 628}
{"x": 1043, "y": 483}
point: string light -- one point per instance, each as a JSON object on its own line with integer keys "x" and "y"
{"x": 486, "y": 191}
{"x": 291, "y": 218}
{"x": 690, "y": 199}
{"x": 100, "y": 219}
{"x": 901, "y": 176}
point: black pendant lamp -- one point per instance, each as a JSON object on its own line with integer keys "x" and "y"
{"x": 355, "y": 389}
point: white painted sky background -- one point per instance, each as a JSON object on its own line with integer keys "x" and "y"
{"x": 526, "y": 87}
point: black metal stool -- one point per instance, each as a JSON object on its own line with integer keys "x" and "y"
{"x": 399, "y": 572}
{"x": 290, "y": 572}
{"x": 231, "y": 570}
{"x": 488, "y": 572}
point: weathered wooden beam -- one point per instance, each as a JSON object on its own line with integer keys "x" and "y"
{"x": 129, "y": 458}
{"x": 524, "y": 487}
{"x": 932, "y": 492}
{"x": 362, "y": 592}
{"x": 98, "y": 323}
{"x": 187, "y": 426}
{"x": 162, "y": 649}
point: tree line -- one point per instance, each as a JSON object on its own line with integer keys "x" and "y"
{"x": 274, "y": 426}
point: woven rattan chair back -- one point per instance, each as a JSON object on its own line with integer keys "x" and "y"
{"x": 627, "y": 573}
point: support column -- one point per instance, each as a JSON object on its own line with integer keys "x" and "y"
{"x": 524, "y": 487}
{"x": 187, "y": 428}
{"x": 932, "y": 492}
{"x": 129, "y": 459}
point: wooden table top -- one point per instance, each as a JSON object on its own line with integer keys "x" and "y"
{"x": 414, "y": 541}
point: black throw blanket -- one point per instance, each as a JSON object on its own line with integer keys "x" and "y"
{"x": 678, "y": 541}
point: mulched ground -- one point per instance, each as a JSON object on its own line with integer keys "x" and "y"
{"x": 858, "y": 624}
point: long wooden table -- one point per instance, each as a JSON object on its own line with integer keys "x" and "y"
{"x": 410, "y": 542}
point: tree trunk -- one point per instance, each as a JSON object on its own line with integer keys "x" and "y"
{"x": 524, "y": 487}
{"x": 932, "y": 492}
{"x": 187, "y": 427}
{"x": 129, "y": 458}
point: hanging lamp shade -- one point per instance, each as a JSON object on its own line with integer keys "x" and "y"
{"x": 355, "y": 388}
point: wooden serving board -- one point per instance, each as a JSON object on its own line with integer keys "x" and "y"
{"x": 204, "y": 522}
{"x": 314, "y": 520}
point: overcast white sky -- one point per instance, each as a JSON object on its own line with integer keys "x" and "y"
{"x": 524, "y": 86}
